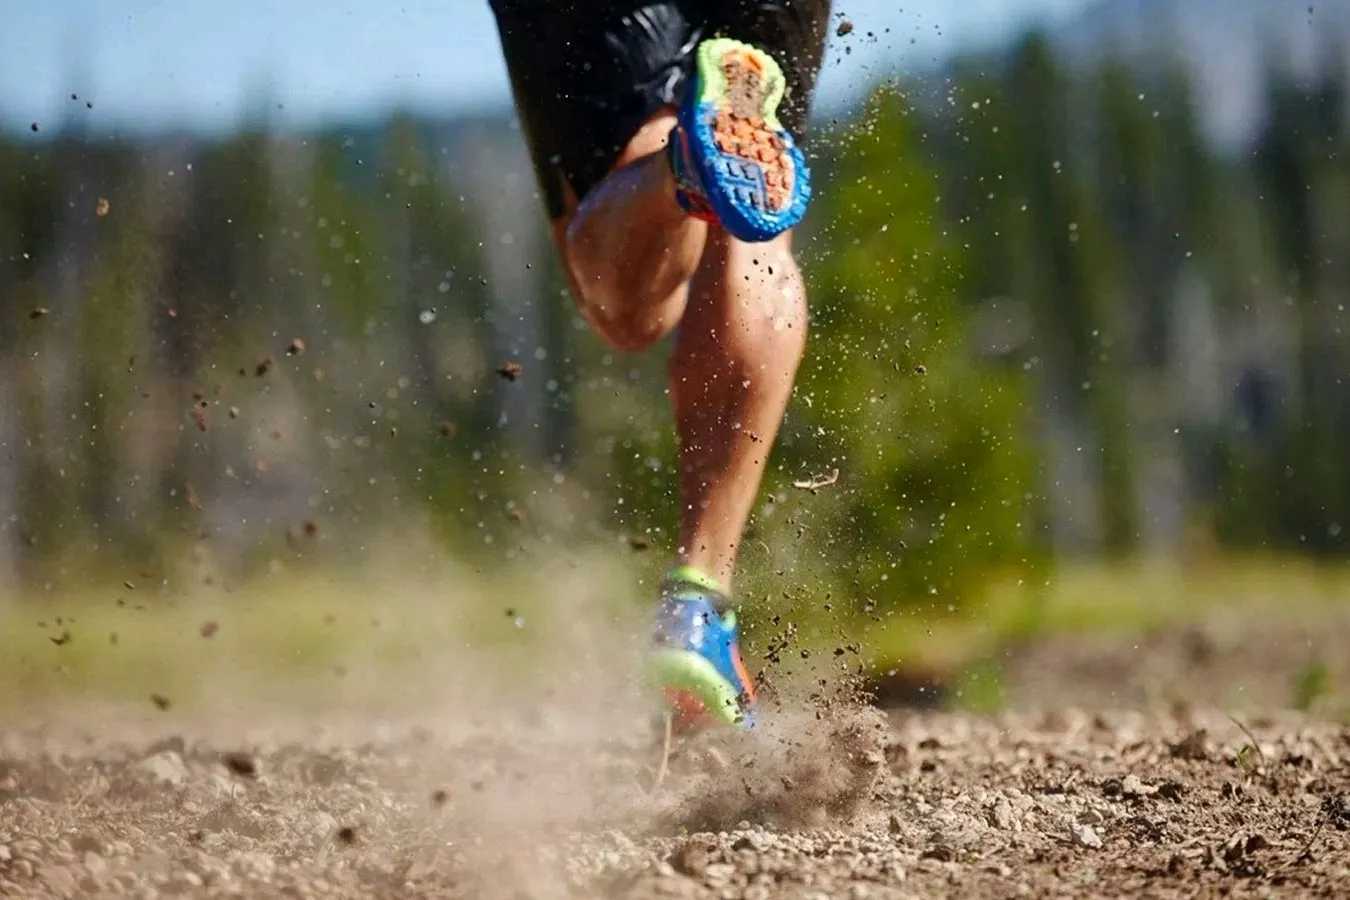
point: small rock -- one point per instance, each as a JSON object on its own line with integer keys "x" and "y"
{"x": 1087, "y": 836}
{"x": 253, "y": 865}
{"x": 85, "y": 843}
{"x": 1001, "y": 816}
{"x": 27, "y": 847}
{"x": 1171, "y": 790}
{"x": 1194, "y": 746}
{"x": 58, "y": 880}
{"x": 692, "y": 858}
{"x": 323, "y": 826}
{"x": 939, "y": 852}
{"x": 165, "y": 767}
{"x": 719, "y": 873}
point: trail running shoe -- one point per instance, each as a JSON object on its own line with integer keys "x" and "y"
{"x": 733, "y": 160}
{"x": 697, "y": 660}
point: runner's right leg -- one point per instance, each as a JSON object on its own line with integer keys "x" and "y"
{"x": 596, "y": 114}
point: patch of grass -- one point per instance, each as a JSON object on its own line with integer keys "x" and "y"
{"x": 1126, "y": 599}
{"x": 1313, "y": 683}
{"x": 366, "y": 631}
{"x": 298, "y": 633}
{"x": 980, "y": 687}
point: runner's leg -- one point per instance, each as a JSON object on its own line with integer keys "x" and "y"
{"x": 596, "y": 86}
{"x": 742, "y": 336}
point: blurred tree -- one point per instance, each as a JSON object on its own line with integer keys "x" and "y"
{"x": 936, "y": 477}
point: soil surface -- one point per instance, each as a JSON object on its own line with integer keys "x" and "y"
{"x": 853, "y": 804}
{"x": 1091, "y": 784}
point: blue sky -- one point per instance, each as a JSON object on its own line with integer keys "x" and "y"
{"x": 193, "y": 63}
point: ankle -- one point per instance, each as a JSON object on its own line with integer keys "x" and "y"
{"x": 687, "y": 573}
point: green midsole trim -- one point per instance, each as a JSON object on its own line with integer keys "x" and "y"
{"x": 686, "y": 670}
{"x": 714, "y": 83}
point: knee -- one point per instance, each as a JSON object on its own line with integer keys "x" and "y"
{"x": 615, "y": 305}
{"x": 622, "y": 331}
{"x": 625, "y": 326}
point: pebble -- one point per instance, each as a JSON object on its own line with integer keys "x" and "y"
{"x": 165, "y": 767}
{"x": 1087, "y": 836}
{"x": 97, "y": 866}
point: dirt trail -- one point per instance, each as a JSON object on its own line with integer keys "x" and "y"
{"x": 1114, "y": 788}
{"x": 930, "y": 804}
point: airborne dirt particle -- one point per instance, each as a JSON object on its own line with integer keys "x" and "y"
{"x": 39, "y": 312}
{"x": 161, "y": 702}
{"x": 295, "y": 347}
{"x": 241, "y": 764}
{"x": 264, "y": 366}
{"x": 509, "y": 370}
{"x": 209, "y": 629}
{"x": 845, "y": 27}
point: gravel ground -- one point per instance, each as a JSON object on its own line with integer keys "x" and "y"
{"x": 848, "y": 803}
{"x": 1142, "y": 766}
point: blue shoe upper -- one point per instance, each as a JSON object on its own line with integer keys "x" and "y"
{"x": 689, "y": 620}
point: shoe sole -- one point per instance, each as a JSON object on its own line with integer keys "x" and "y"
{"x": 753, "y": 175}
{"x": 694, "y": 689}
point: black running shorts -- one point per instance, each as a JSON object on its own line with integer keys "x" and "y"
{"x": 587, "y": 73}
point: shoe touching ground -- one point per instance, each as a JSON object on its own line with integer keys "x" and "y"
{"x": 696, "y": 661}
{"x": 733, "y": 161}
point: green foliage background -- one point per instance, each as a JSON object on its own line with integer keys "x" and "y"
{"x": 1051, "y": 317}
